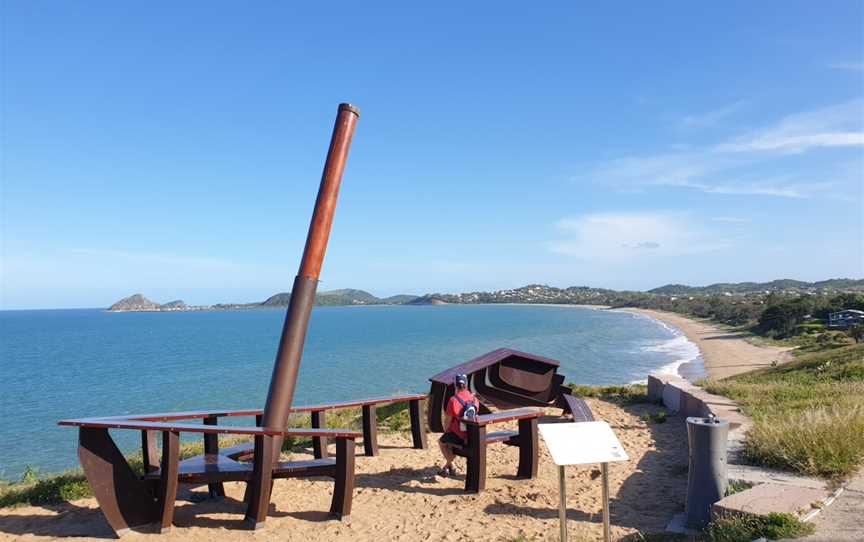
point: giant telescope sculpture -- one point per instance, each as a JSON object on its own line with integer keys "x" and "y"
{"x": 129, "y": 499}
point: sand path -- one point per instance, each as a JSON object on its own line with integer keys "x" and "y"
{"x": 399, "y": 497}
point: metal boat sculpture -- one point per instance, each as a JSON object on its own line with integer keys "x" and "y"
{"x": 506, "y": 378}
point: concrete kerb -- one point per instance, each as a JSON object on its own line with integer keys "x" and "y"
{"x": 772, "y": 491}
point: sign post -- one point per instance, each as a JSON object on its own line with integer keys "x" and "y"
{"x": 582, "y": 444}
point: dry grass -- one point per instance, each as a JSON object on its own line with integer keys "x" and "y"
{"x": 808, "y": 414}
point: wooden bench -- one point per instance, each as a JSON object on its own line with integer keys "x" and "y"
{"x": 101, "y": 459}
{"x": 370, "y": 421}
{"x": 243, "y": 451}
{"x": 478, "y": 438}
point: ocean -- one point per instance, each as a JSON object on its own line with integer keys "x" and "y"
{"x": 86, "y": 362}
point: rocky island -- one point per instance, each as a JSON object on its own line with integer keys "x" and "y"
{"x": 139, "y": 303}
{"x": 331, "y": 298}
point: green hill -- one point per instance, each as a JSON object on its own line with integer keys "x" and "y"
{"x": 346, "y": 296}
{"x": 780, "y": 285}
{"x": 338, "y": 298}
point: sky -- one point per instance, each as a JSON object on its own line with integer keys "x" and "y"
{"x": 175, "y": 148}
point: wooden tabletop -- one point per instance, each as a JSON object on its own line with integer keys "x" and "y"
{"x": 506, "y": 416}
{"x": 116, "y": 423}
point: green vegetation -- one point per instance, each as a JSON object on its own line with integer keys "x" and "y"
{"x": 71, "y": 485}
{"x": 746, "y": 528}
{"x": 808, "y": 414}
{"x": 656, "y": 417}
{"x": 622, "y": 395}
{"x": 737, "y": 487}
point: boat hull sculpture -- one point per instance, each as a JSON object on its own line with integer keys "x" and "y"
{"x": 506, "y": 379}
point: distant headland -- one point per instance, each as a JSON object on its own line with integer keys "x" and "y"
{"x": 331, "y": 298}
{"x": 533, "y": 293}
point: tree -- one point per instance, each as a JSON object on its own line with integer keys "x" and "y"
{"x": 857, "y": 332}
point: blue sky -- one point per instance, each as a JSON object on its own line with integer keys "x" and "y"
{"x": 174, "y": 149}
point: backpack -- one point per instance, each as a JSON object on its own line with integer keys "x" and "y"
{"x": 469, "y": 412}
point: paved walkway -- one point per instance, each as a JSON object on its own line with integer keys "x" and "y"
{"x": 843, "y": 521}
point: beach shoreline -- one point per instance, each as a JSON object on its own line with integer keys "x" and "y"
{"x": 724, "y": 353}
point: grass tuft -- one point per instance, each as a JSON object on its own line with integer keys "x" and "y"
{"x": 657, "y": 417}
{"x": 622, "y": 395}
{"x": 774, "y": 526}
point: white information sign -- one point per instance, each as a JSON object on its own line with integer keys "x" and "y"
{"x": 582, "y": 443}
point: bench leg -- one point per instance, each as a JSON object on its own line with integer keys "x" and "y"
{"x": 149, "y": 451}
{"x": 475, "y": 478}
{"x": 168, "y": 489}
{"x": 343, "y": 489}
{"x": 418, "y": 428}
{"x": 211, "y": 446}
{"x": 319, "y": 444}
{"x": 261, "y": 484}
{"x": 370, "y": 430}
{"x": 126, "y": 501}
{"x": 528, "y": 450}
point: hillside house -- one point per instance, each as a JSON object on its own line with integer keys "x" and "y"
{"x": 845, "y": 319}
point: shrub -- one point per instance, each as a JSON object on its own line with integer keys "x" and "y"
{"x": 55, "y": 489}
{"x": 827, "y": 441}
{"x": 657, "y": 417}
{"x": 746, "y": 528}
{"x": 625, "y": 395}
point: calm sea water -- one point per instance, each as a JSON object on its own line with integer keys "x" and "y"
{"x": 68, "y": 363}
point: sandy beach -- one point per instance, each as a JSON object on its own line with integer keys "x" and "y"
{"x": 725, "y": 353}
{"x": 399, "y": 497}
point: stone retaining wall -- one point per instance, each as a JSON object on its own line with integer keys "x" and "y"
{"x": 686, "y": 399}
{"x": 772, "y": 491}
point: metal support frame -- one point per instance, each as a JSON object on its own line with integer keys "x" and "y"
{"x": 562, "y": 502}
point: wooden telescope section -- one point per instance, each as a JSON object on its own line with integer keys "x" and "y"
{"x": 506, "y": 379}
{"x": 129, "y": 499}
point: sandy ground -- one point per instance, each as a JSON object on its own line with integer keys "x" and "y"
{"x": 725, "y": 353}
{"x": 399, "y": 497}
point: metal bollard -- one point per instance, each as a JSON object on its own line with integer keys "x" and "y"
{"x": 707, "y": 480}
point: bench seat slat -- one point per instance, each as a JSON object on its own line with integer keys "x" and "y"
{"x": 210, "y": 467}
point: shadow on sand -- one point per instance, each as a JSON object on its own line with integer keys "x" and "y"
{"x": 648, "y": 498}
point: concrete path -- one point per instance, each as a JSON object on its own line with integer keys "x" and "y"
{"x": 843, "y": 521}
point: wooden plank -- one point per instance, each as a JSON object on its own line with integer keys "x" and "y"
{"x": 319, "y": 444}
{"x": 343, "y": 489}
{"x": 211, "y": 446}
{"x": 194, "y": 414}
{"x": 378, "y": 401}
{"x": 168, "y": 478}
{"x": 578, "y": 408}
{"x": 505, "y": 416}
{"x": 186, "y": 415}
{"x": 192, "y": 428}
{"x": 370, "y": 430}
{"x": 418, "y": 427}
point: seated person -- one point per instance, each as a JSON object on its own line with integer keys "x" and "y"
{"x": 462, "y": 403}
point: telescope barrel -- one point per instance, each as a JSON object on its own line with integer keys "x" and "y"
{"x": 290, "y": 351}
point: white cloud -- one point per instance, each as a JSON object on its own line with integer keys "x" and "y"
{"x": 706, "y": 172}
{"x": 838, "y": 125}
{"x": 849, "y": 66}
{"x": 711, "y": 118}
{"x": 729, "y": 168}
{"x": 622, "y": 237}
